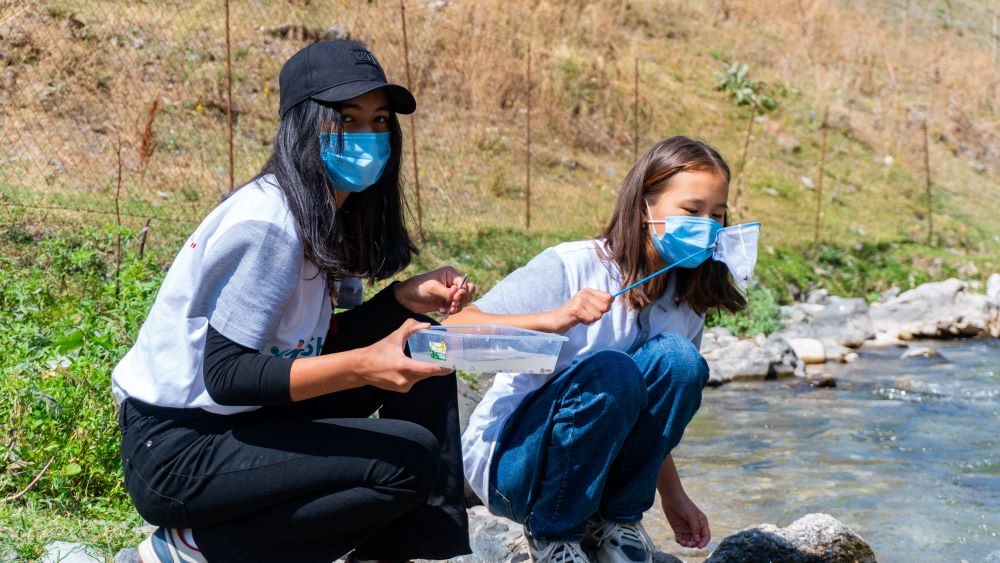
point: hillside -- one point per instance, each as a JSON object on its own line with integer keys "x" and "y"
{"x": 91, "y": 71}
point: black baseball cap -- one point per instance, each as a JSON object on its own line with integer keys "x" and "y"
{"x": 335, "y": 71}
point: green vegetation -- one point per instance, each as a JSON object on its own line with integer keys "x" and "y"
{"x": 63, "y": 330}
{"x": 735, "y": 80}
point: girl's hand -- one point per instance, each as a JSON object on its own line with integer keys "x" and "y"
{"x": 587, "y": 306}
{"x": 689, "y": 523}
{"x": 436, "y": 291}
{"x": 384, "y": 365}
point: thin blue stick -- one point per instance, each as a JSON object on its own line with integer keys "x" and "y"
{"x": 663, "y": 271}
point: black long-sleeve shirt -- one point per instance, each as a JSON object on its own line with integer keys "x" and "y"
{"x": 237, "y": 375}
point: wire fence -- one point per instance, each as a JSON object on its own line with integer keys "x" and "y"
{"x": 85, "y": 77}
{"x": 188, "y": 91}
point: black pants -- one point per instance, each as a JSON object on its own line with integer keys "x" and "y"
{"x": 309, "y": 481}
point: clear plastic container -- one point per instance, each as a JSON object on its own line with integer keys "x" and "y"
{"x": 487, "y": 348}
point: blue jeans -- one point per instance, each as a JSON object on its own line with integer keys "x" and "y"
{"x": 592, "y": 439}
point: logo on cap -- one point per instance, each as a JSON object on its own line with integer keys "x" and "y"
{"x": 362, "y": 57}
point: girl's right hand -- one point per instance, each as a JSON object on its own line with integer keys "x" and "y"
{"x": 384, "y": 365}
{"x": 586, "y": 306}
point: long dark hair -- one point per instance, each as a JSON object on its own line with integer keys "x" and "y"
{"x": 368, "y": 236}
{"x": 627, "y": 238}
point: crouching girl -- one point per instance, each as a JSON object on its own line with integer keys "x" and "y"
{"x": 577, "y": 456}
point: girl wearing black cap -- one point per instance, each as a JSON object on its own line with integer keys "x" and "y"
{"x": 246, "y": 403}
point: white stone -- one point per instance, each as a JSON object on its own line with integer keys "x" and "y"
{"x": 993, "y": 287}
{"x": 809, "y": 350}
{"x": 920, "y": 352}
{"x": 66, "y": 552}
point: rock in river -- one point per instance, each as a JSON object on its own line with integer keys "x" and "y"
{"x": 809, "y": 350}
{"x": 812, "y": 538}
{"x": 733, "y": 359}
{"x": 937, "y": 310}
{"x": 836, "y": 321}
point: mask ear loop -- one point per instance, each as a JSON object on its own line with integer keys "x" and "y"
{"x": 652, "y": 229}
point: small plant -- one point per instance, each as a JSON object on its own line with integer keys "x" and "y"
{"x": 735, "y": 80}
{"x": 762, "y": 315}
{"x": 148, "y": 143}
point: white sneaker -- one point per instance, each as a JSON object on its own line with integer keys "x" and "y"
{"x": 555, "y": 552}
{"x": 619, "y": 543}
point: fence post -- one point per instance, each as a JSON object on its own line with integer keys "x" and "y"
{"x": 993, "y": 57}
{"x": 819, "y": 183}
{"x": 229, "y": 98}
{"x": 906, "y": 21}
{"x": 527, "y": 156}
{"x": 927, "y": 178}
{"x": 118, "y": 220}
{"x": 413, "y": 121}
{"x": 993, "y": 52}
{"x": 142, "y": 238}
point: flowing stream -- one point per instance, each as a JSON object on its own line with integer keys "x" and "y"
{"x": 905, "y": 452}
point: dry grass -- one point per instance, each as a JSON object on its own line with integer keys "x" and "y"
{"x": 79, "y": 73}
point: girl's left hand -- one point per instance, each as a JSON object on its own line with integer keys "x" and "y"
{"x": 689, "y": 523}
{"x": 435, "y": 291}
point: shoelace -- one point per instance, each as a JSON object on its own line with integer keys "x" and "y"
{"x": 562, "y": 552}
{"x": 630, "y": 533}
{"x": 566, "y": 553}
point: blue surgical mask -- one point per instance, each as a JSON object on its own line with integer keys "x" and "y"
{"x": 361, "y": 162}
{"x": 686, "y": 241}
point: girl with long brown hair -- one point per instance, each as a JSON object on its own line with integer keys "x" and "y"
{"x": 577, "y": 456}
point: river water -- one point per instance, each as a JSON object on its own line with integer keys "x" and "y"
{"x": 905, "y": 452}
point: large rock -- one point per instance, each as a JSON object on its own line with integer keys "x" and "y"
{"x": 128, "y": 555}
{"x": 836, "y": 321}
{"x": 755, "y": 544}
{"x": 468, "y": 398}
{"x": 937, "y": 310}
{"x": 733, "y": 359}
{"x": 494, "y": 539}
{"x": 824, "y": 538}
{"x": 813, "y": 538}
{"x": 66, "y": 552}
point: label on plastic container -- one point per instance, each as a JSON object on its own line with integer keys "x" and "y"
{"x": 438, "y": 351}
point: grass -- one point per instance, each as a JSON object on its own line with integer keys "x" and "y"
{"x": 63, "y": 330}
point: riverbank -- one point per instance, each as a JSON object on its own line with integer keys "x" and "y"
{"x": 71, "y": 311}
